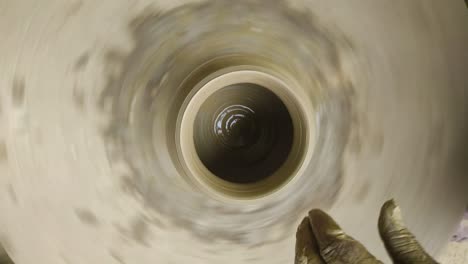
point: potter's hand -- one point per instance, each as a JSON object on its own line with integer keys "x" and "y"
{"x": 319, "y": 240}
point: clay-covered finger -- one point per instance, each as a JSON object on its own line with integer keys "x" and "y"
{"x": 399, "y": 241}
{"x": 307, "y": 251}
{"x": 334, "y": 245}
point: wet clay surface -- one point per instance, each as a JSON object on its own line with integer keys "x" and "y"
{"x": 91, "y": 91}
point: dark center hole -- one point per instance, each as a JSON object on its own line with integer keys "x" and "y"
{"x": 243, "y": 133}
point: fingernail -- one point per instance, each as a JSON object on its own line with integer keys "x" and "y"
{"x": 393, "y": 211}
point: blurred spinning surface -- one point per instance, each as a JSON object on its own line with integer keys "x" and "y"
{"x": 99, "y": 144}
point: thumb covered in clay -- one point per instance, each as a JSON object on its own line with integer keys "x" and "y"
{"x": 399, "y": 241}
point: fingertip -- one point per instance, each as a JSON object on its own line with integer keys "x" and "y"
{"x": 390, "y": 204}
{"x": 304, "y": 226}
{"x": 324, "y": 227}
{"x": 390, "y": 214}
{"x": 319, "y": 218}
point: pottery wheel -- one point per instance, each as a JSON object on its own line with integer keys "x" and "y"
{"x": 203, "y": 131}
